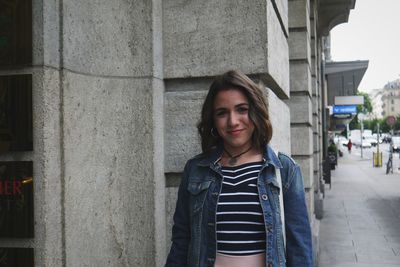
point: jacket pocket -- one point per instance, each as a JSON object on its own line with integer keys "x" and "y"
{"x": 198, "y": 193}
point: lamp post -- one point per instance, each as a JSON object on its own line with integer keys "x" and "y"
{"x": 360, "y": 117}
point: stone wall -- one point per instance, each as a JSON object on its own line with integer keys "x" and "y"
{"x": 117, "y": 92}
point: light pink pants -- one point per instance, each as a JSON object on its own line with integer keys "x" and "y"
{"x": 257, "y": 260}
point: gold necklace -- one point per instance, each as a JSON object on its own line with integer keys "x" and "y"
{"x": 233, "y": 159}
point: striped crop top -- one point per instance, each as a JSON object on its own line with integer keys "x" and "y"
{"x": 240, "y": 223}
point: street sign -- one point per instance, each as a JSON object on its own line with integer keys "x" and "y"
{"x": 342, "y": 116}
{"x": 361, "y": 116}
{"x": 391, "y": 120}
{"x": 349, "y": 100}
{"x": 345, "y": 109}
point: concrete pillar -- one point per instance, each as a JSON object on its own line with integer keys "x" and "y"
{"x": 300, "y": 102}
{"x": 98, "y": 92}
{"x": 112, "y": 98}
{"x": 205, "y": 39}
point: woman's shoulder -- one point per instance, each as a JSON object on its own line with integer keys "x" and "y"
{"x": 286, "y": 160}
{"x": 290, "y": 169}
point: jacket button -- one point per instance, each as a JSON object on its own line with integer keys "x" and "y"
{"x": 269, "y": 229}
{"x": 270, "y": 264}
{"x": 264, "y": 197}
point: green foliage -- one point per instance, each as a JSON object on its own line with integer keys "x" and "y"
{"x": 366, "y": 108}
{"x": 373, "y": 125}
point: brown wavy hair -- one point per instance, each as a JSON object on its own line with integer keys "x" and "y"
{"x": 258, "y": 110}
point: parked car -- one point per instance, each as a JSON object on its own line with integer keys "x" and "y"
{"x": 371, "y": 140}
{"x": 365, "y": 143}
{"x": 396, "y": 143}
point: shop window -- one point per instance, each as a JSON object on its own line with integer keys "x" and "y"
{"x": 15, "y": 33}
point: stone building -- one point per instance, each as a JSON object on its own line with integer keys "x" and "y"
{"x": 116, "y": 90}
{"x": 376, "y": 101}
{"x": 386, "y": 101}
{"x": 391, "y": 99}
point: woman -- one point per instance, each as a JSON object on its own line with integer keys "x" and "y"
{"x": 227, "y": 212}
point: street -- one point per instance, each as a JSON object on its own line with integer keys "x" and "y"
{"x": 361, "y": 223}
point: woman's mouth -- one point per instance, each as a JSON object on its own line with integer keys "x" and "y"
{"x": 234, "y": 132}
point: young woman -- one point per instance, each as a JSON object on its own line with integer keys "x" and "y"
{"x": 228, "y": 209}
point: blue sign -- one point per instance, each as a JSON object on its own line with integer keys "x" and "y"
{"x": 344, "y": 109}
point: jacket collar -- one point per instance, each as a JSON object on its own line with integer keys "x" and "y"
{"x": 214, "y": 156}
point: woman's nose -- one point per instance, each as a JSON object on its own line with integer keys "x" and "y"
{"x": 233, "y": 119}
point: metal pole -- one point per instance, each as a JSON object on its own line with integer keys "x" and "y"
{"x": 377, "y": 145}
{"x": 362, "y": 129}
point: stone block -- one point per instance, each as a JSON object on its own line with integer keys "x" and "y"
{"x": 278, "y": 55}
{"x": 202, "y": 39}
{"x": 47, "y": 167}
{"x": 316, "y": 142}
{"x": 299, "y": 14}
{"x": 315, "y": 87}
{"x": 307, "y": 170}
{"x": 299, "y": 46}
{"x": 108, "y": 37}
{"x": 283, "y": 11}
{"x": 171, "y": 197}
{"x": 46, "y": 33}
{"x": 182, "y": 113}
{"x": 302, "y": 140}
{"x": 279, "y": 115}
{"x": 300, "y": 109}
{"x": 315, "y": 122}
{"x": 300, "y": 77}
{"x": 109, "y": 171}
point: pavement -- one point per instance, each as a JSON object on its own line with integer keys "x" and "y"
{"x": 361, "y": 222}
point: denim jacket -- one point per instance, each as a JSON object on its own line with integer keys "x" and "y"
{"x": 194, "y": 229}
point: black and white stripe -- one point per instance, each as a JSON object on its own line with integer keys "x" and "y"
{"x": 240, "y": 224}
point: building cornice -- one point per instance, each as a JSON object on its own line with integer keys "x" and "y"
{"x": 332, "y": 13}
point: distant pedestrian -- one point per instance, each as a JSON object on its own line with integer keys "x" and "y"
{"x": 349, "y": 145}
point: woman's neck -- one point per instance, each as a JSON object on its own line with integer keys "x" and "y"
{"x": 246, "y": 155}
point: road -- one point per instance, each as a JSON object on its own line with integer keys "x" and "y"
{"x": 361, "y": 223}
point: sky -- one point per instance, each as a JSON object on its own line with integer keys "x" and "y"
{"x": 372, "y": 33}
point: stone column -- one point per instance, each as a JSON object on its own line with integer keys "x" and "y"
{"x": 300, "y": 102}
{"x": 205, "y": 39}
{"x": 111, "y": 99}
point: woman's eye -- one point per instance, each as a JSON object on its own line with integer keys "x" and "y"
{"x": 242, "y": 110}
{"x": 220, "y": 113}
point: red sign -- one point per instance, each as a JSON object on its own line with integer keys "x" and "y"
{"x": 391, "y": 120}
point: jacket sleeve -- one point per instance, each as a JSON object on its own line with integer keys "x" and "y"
{"x": 299, "y": 251}
{"x": 178, "y": 254}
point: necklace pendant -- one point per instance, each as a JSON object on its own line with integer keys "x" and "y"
{"x": 232, "y": 161}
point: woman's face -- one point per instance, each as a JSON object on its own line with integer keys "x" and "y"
{"x": 232, "y": 121}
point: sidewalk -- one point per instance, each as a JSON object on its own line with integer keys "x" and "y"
{"x": 361, "y": 223}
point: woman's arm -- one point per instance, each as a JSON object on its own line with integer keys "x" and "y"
{"x": 178, "y": 254}
{"x": 298, "y": 231}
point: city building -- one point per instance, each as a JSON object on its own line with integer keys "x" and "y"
{"x": 116, "y": 90}
{"x": 377, "y": 104}
{"x": 391, "y": 99}
{"x": 386, "y": 101}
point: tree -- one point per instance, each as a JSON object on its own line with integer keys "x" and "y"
{"x": 366, "y": 108}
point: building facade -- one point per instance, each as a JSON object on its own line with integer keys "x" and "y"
{"x": 117, "y": 88}
{"x": 386, "y": 101}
